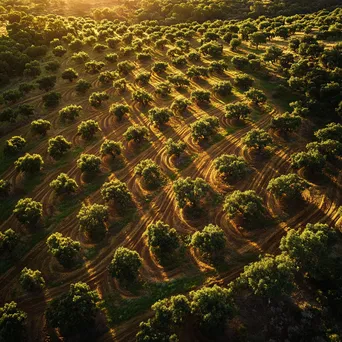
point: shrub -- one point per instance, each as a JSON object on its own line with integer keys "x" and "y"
{"x": 111, "y": 147}
{"x": 117, "y": 192}
{"x": 58, "y": 146}
{"x": 189, "y": 192}
{"x": 210, "y": 241}
{"x": 5, "y": 188}
{"x": 89, "y": 163}
{"x": 29, "y": 163}
{"x": 257, "y": 96}
{"x": 244, "y": 81}
{"x": 289, "y": 186}
{"x": 204, "y": 128}
{"x": 87, "y": 129}
{"x": 40, "y": 126}
{"x": 222, "y": 88}
{"x": 142, "y": 97}
{"x": 14, "y": 145}
{"x": 52, "y": 99}
{"x": 64, "y": 249}
{"x": 69, "y": 113}
{"x": 200, "y": 96}
{"x": 69, "y": 74}
{"x": 230, "y": 165}
{"x": 64, "y": 184}
{"x": 175, "y": 148}
{"x": 237, "y": 110}
{"x": 27, "y": 211}
{"x": 246, "y": 204}
{"x": 96, "y": 98}
{"x": 31, "y": 280}
{"x": 286, "y": 122}
{"x": 161, "y": 239}
{"x": 136, "y": 133}
{"x": 125, "y": 264}
{"x": 82, "y": 86}
{"x": 12, "y": 322}
{"x": 119, "y": 110}
{"x": 159, "y": 116}
{"x": 8, "y": 241}
{"x": 92, "y": 219}
{"x": 150, "y": 172}
{"x": 257, "y": 138}
{"x": 180, "y": 104}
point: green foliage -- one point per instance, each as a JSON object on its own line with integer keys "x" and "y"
{"x": 211, "y": 307}
{"x": 125, "y": 67}
{"x": 230, "y": 165}
{"x": 141, "y": 96}
{"x": 69, "y": 113}
{"x": 222, "y": 88}
{"x": 12, "y": 323}
{"x": 175, "y": 148}
{"x": 5, "y": 188}
{"x": 163, "y": 89}
{"x": 96, "y": 98}
{"x": 89, "y": 163}
{"x": 59, "y": 51}
{"x": 29, "y": 163}
{"x": 106, "y": 77}
{"x": 14, "y": 145}
{"x": 212, "y": 49}
{"x": 257, "y": 96}
{"x": 246, "y": 204}
{"x": 87, "y": 129}
{"x": 331, "y": 131}
{"x": 286, "y": 122}
{"x": 40, "y": 126}
{"x": 120, "y": 85}
{"x": 257, "y": 138}
{"x": 200, "y": 96}
{"x": 272, "y": 54}
{"x": 159, "y": 67}
{"x": 271, "y": 277}
{"x": 47, "y": 83}
{"x": 162, "y": 239}
{"x": 125, "y": 264}
{"x": 190, "y": 192}
{"x": 244, "y": 81}
{"x": 82, "y": 86}
{"x": 80, "y": 57}
{"x": 8, "y": 241}
{"x": 111, "y": 57}
{"x": 328, "y": 148}
{"x": 117, "y": 192}
{"x": 180, "y": 104}
{"x": 31, "y": 280}
{"x": 204, "y": 128}
{"x": 289, "y": 186}
{"x": 311, "y": 160}
{"x": 92, "y": 219}
{"x": 310, "y": 248}
{"x": 235, "y": 43}
{"x": 58, "y": 146}
{"x": 150, "y": 172}
{"x": 64, "y": 249}
{"x": 52, "y": 99}
{"x": 159, "y": 116}
{"x": 257, "y": 38}
{"x": 210, "y": 241}
{"x": 178, "y": 80}
{"x": 218, "y": 66}
{"x": 237, "y": 110}
{"x": 27, "y": 211}
{"x": 94, "y": 67}
{"x": 73, "y": 312}
{"x": 136, "y": 133}
{"x": 64, "y": 184}
{"x": 143, "y": 78}
{"x": 119, "y": 110}
{"x": 111, "y": 147}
